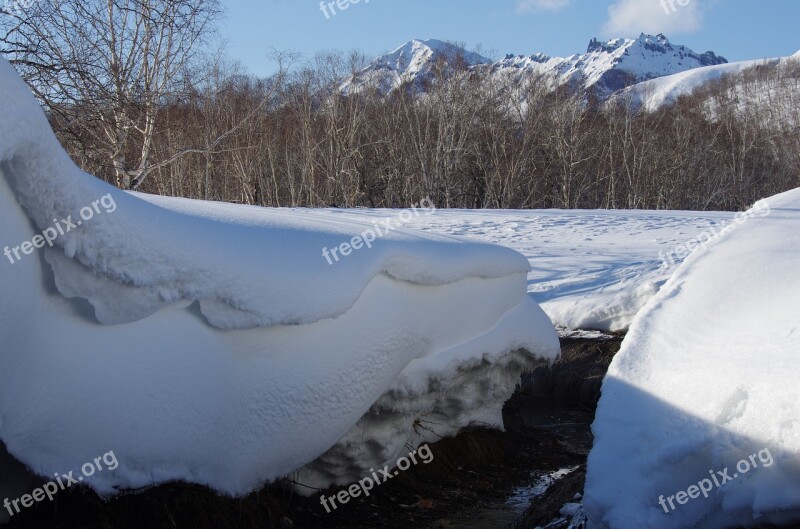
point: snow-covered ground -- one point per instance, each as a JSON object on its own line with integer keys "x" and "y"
{"x": 699, "y": 420}
{"x": 590, "y": 269}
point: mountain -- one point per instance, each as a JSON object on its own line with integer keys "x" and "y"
{"x": 767, "y": 88}
{"x": 655, "y": 93}
{"x": 414, "y": 62}
{"x": 605, "y": 68}
{"x": 610, "y": 66}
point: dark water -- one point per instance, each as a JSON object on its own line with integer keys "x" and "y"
{"x": 572, "y": 426}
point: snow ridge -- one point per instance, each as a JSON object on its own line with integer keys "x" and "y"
{"x": 262, "y": 268}
{"x": 611, "y": 65}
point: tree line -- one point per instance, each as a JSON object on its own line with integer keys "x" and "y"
{"x": 142, "y": 108}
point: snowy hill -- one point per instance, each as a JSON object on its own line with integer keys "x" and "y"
{"x": 656, "y": 93}
{"x": 605, "y": 67}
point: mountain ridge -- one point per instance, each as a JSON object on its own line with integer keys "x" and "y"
{"x": 606, "y": 66}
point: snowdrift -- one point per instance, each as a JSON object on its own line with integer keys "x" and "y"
{"x": 215, "y": 344}
{"x": 698, "y": 423}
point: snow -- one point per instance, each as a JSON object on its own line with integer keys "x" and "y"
{"x": 590, "y": 269}
{"x": 214, "y": 344}
{"x": 702, "y": 382}
{"x": 411, "y": 62}
{"x": 655, "y": 93}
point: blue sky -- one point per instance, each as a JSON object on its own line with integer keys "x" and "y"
{"x": 735, "y": 29}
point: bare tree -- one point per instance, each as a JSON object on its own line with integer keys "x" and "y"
{"x": 129, "y": 100}
{"x": 111, "y": 64}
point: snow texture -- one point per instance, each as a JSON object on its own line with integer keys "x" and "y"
{"x": 214, "y": 344}
{"x": 705, "y": 379}
{"x": 590, "y": 269}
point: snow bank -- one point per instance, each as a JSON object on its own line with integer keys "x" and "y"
{"x": 214, "y": 344}
{"x": 705, "y": 379}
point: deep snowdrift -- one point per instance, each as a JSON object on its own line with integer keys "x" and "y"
{"x": 214, "y": 344}
{"x": 706, "y": 378}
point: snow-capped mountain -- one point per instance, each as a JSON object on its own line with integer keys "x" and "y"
{"x": 610, "y": 66}
{"x": 414, "y": 62}
{"x": 606, "y": 67}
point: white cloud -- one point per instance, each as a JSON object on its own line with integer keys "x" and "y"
{"x": 631, "y": 17}
{"x": 526, "y": 6}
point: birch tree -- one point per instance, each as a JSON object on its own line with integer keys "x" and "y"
{"x": 111, "y": 64}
